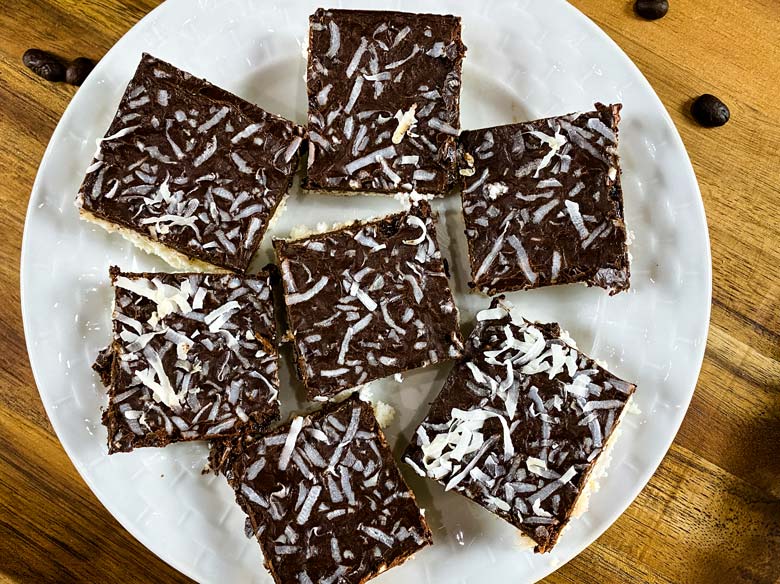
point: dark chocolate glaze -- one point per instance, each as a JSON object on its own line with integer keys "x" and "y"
{"x": 103, "y": 364}
{"x": 550, "y": 423}
{"x": 522, "y": 203}
{"x": 338, "y": 511}
{"x": 382, "y": 286}
{"x": 227, "y": 378}
{"x": 191, "y": 166}
{"x": 366, "y": 69}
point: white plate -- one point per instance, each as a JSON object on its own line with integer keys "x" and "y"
{"x": 525, "y": 60}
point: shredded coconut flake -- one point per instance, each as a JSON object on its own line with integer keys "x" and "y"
{"x": 496, "y": 189}
{"x": 289, "y": 442}
{"x": 415, "y": 220}
{"x": 536, "y": 465}
{"x": 405, "y": 122}
{"x": 573, "y": 209}
{"x": 522, "y": 258}
{"x": 388, "y": 152}
{"x": 335, "y": 40}
{"x": 492, "y": 314}
{"x": 555, "y": 143}
{"x": 443, "y": 126}
{"x": 299, "y": 297}
{"x": 353, "y": 64}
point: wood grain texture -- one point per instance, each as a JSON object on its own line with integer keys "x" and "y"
{"x": 712, "y": 511}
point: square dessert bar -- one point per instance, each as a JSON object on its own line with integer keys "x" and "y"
{"x": 192, "y": 358}
{"x": 384, "y": 101}
{"x": 367, "y": 301}
{"x": 520, "y": 425}
{"x": 189, "y": 171}
{"x": 324, "y": 496}
{"x": 543, "y": 203}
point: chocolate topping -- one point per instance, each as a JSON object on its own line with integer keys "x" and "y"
{"x": 191, "y": 166}
{"x": 543, "y": 203}
{"x": 324, "y": 496}
{"x": 192, "y": 356}
{"x": 520, "y": 423}
{"x": 384, "y": 100}
{"x": 368, "y": 300}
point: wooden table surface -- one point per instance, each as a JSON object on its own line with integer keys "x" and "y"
{"x": 711, "y": 513}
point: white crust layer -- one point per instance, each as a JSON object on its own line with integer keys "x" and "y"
{"x": 175, "y": 259}
{"x": 280, "y": 208}
{"x": 396, "y": 194}
{"x": 304, "y": 231}
{"x": 600, "y": 468}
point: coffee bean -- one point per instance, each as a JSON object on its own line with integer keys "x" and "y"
{"x": 78, "y": 70}
{"x": 44, "y": 64}
{"x": 710, "y": 112}
{"x": 651, "y": 9}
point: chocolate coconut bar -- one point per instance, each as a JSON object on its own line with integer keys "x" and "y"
{"x": 384, "y": 101}
{"x": 189, "y": 171}
{"x": 324, "y": 497}
{"x": 543, "y": 203}
{"x": 520, "y": 424}
{"x": 368, "y": 301}
{"x": 193, "y": 357}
